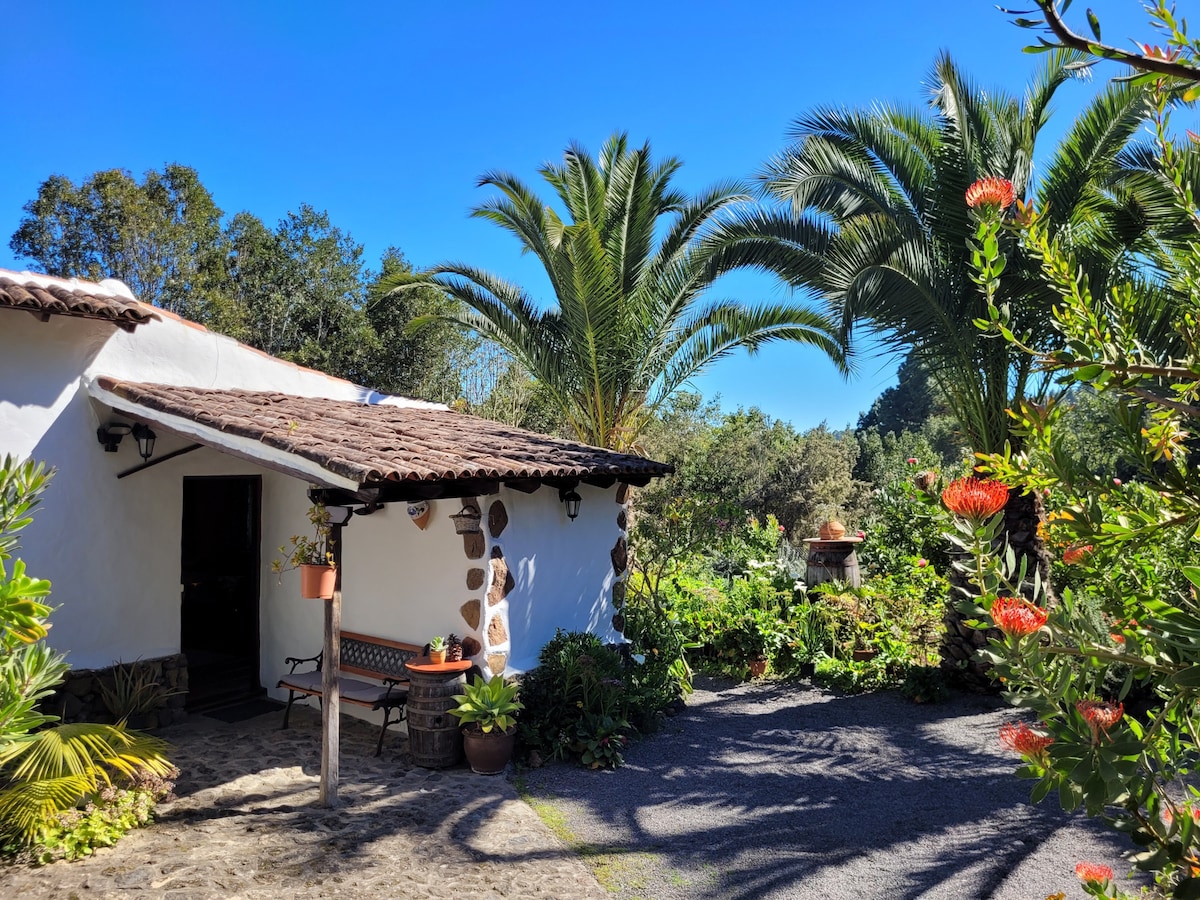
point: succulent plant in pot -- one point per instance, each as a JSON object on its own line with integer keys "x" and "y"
{"x": 437, "y": 650}
{"x": 487, "y": 711}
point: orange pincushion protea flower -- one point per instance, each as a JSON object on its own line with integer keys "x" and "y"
{"x": 1073, "y": 556}
{"x": 1093, "y": 873}
{"x": 1024, "y": 740}
{"x": 974, "y": 498}
{"x": 1101, "y": 715}
{"x": 991, "y": 192}
{"x": 1017, "y": 617}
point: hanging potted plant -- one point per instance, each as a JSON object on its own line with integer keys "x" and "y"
{"x": 312, "y": 556}
{"x": 487, "y": 711}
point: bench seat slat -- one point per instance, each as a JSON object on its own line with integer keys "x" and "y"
{"x": 351, "y": 689}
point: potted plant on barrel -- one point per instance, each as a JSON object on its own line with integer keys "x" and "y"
{"x": 312, "y": 556}
{"x": 487, "y": 711}
{"x": 437, "y": 650}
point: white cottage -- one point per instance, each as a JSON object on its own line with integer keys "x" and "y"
{"x": 168, "y": 555}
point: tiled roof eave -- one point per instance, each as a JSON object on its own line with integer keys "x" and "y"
{"x": 351, "y": 445}
{"x": 43, "y": 297}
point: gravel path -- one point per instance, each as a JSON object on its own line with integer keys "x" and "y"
{"x": 768, "y": 790}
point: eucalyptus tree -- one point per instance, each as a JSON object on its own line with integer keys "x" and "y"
{"x": 630, "y": 260}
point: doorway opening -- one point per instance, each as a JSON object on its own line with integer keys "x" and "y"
{"x": 220, "y": 571}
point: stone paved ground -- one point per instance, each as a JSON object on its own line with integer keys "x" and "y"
{"x": 245, "y": 824}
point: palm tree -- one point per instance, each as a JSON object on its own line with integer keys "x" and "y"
{"x": 629, "y": 265}
{"x": 878, "y": 230}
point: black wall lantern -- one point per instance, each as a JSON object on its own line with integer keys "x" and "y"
{"x": 572, "y": 501}
{"x": 145, "y": 440}
{"x": 110, "y": 435}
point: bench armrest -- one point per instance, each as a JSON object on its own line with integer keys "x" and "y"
{"x": 295, "y": 661}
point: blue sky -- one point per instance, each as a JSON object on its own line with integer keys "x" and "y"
{"x": 385, "y": 114}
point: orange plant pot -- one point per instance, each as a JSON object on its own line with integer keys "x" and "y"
{"x": 317, "y": 582}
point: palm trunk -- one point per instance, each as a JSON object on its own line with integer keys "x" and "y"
{"x": 1022, "y": 515}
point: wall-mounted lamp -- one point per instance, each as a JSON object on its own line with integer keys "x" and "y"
{"x": 145, "y": 440}
{"x": 572, "y": 500}
{"x": 110, "y": 435}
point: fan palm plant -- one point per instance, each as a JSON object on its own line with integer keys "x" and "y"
{"x": 44, "y": 770}
{"x": 874, "y": 213}
{"x": 629, "y": 262}
{"x": 879, "y": 224}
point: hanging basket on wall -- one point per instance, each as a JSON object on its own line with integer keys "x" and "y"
{"x": 317, "y": 582}
{"x": 466, "y": 520}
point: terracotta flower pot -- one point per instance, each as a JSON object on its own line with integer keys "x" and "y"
{"x": 437, "y": 657}
{"x": 832, "y": 530}
{"x": 317, "y": 582}
{"x": 488, "y": 753}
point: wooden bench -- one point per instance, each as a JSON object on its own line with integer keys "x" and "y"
{"x": 364, "y": 655}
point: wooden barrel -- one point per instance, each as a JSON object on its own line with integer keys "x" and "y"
{"x": 832, "y": 561}
{"x": 434, "y": 738}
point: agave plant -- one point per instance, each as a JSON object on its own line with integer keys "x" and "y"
{"x": 45, "y": 770}
{"x": 488, "y": 704}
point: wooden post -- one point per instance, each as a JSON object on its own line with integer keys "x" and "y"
{"x": 330, "y": 735}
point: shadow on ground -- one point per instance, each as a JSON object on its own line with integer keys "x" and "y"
{"x": 781, "y": 790}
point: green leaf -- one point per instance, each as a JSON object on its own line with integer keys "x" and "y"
{"x": 1186, "y": 678}
{"x": 1088, "y": 373}
{"x": 1192, "y": 574}
{"x": 1040, "y": 790}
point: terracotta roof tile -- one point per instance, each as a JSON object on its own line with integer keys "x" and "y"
{"x": 380, "y": 443}
{"x": 44, "y": 295}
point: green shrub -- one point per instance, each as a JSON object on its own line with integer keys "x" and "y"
{"x": 105, "y": 817}
{"x": 45, "y": 770}
{"x": 574, "y": 700}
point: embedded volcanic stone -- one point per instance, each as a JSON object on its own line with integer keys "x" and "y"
{"x": 496, "y": 662}
{"x": 619, "y": 594}
{"x": 471, "y": 646}
{"x": 622, "y": 520}
{"x": 470, "y": 613}
{"x": 497, "y": 633}
{"x": 474, "y": 544}
{"x": 502, "y": 579}
{"x": 619, "y": 622}
{"x": 475, "y": 579}
{"x": 497, "y": 518}
{"x": 622, "y": 493}
{"x": 620, "y": 555}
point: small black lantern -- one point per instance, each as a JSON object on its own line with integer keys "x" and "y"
{"x": 572, "y": 501}
{"x": 145, "y": 440}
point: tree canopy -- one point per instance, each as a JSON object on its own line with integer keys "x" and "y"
{"x": 300, "y": 290}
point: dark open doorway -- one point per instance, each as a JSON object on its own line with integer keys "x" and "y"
{"x": 220, "y": 575}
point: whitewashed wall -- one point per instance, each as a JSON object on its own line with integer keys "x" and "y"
{"x": 562, "y": 569}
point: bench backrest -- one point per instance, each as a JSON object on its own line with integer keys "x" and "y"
{"x": 375, "y": 657}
